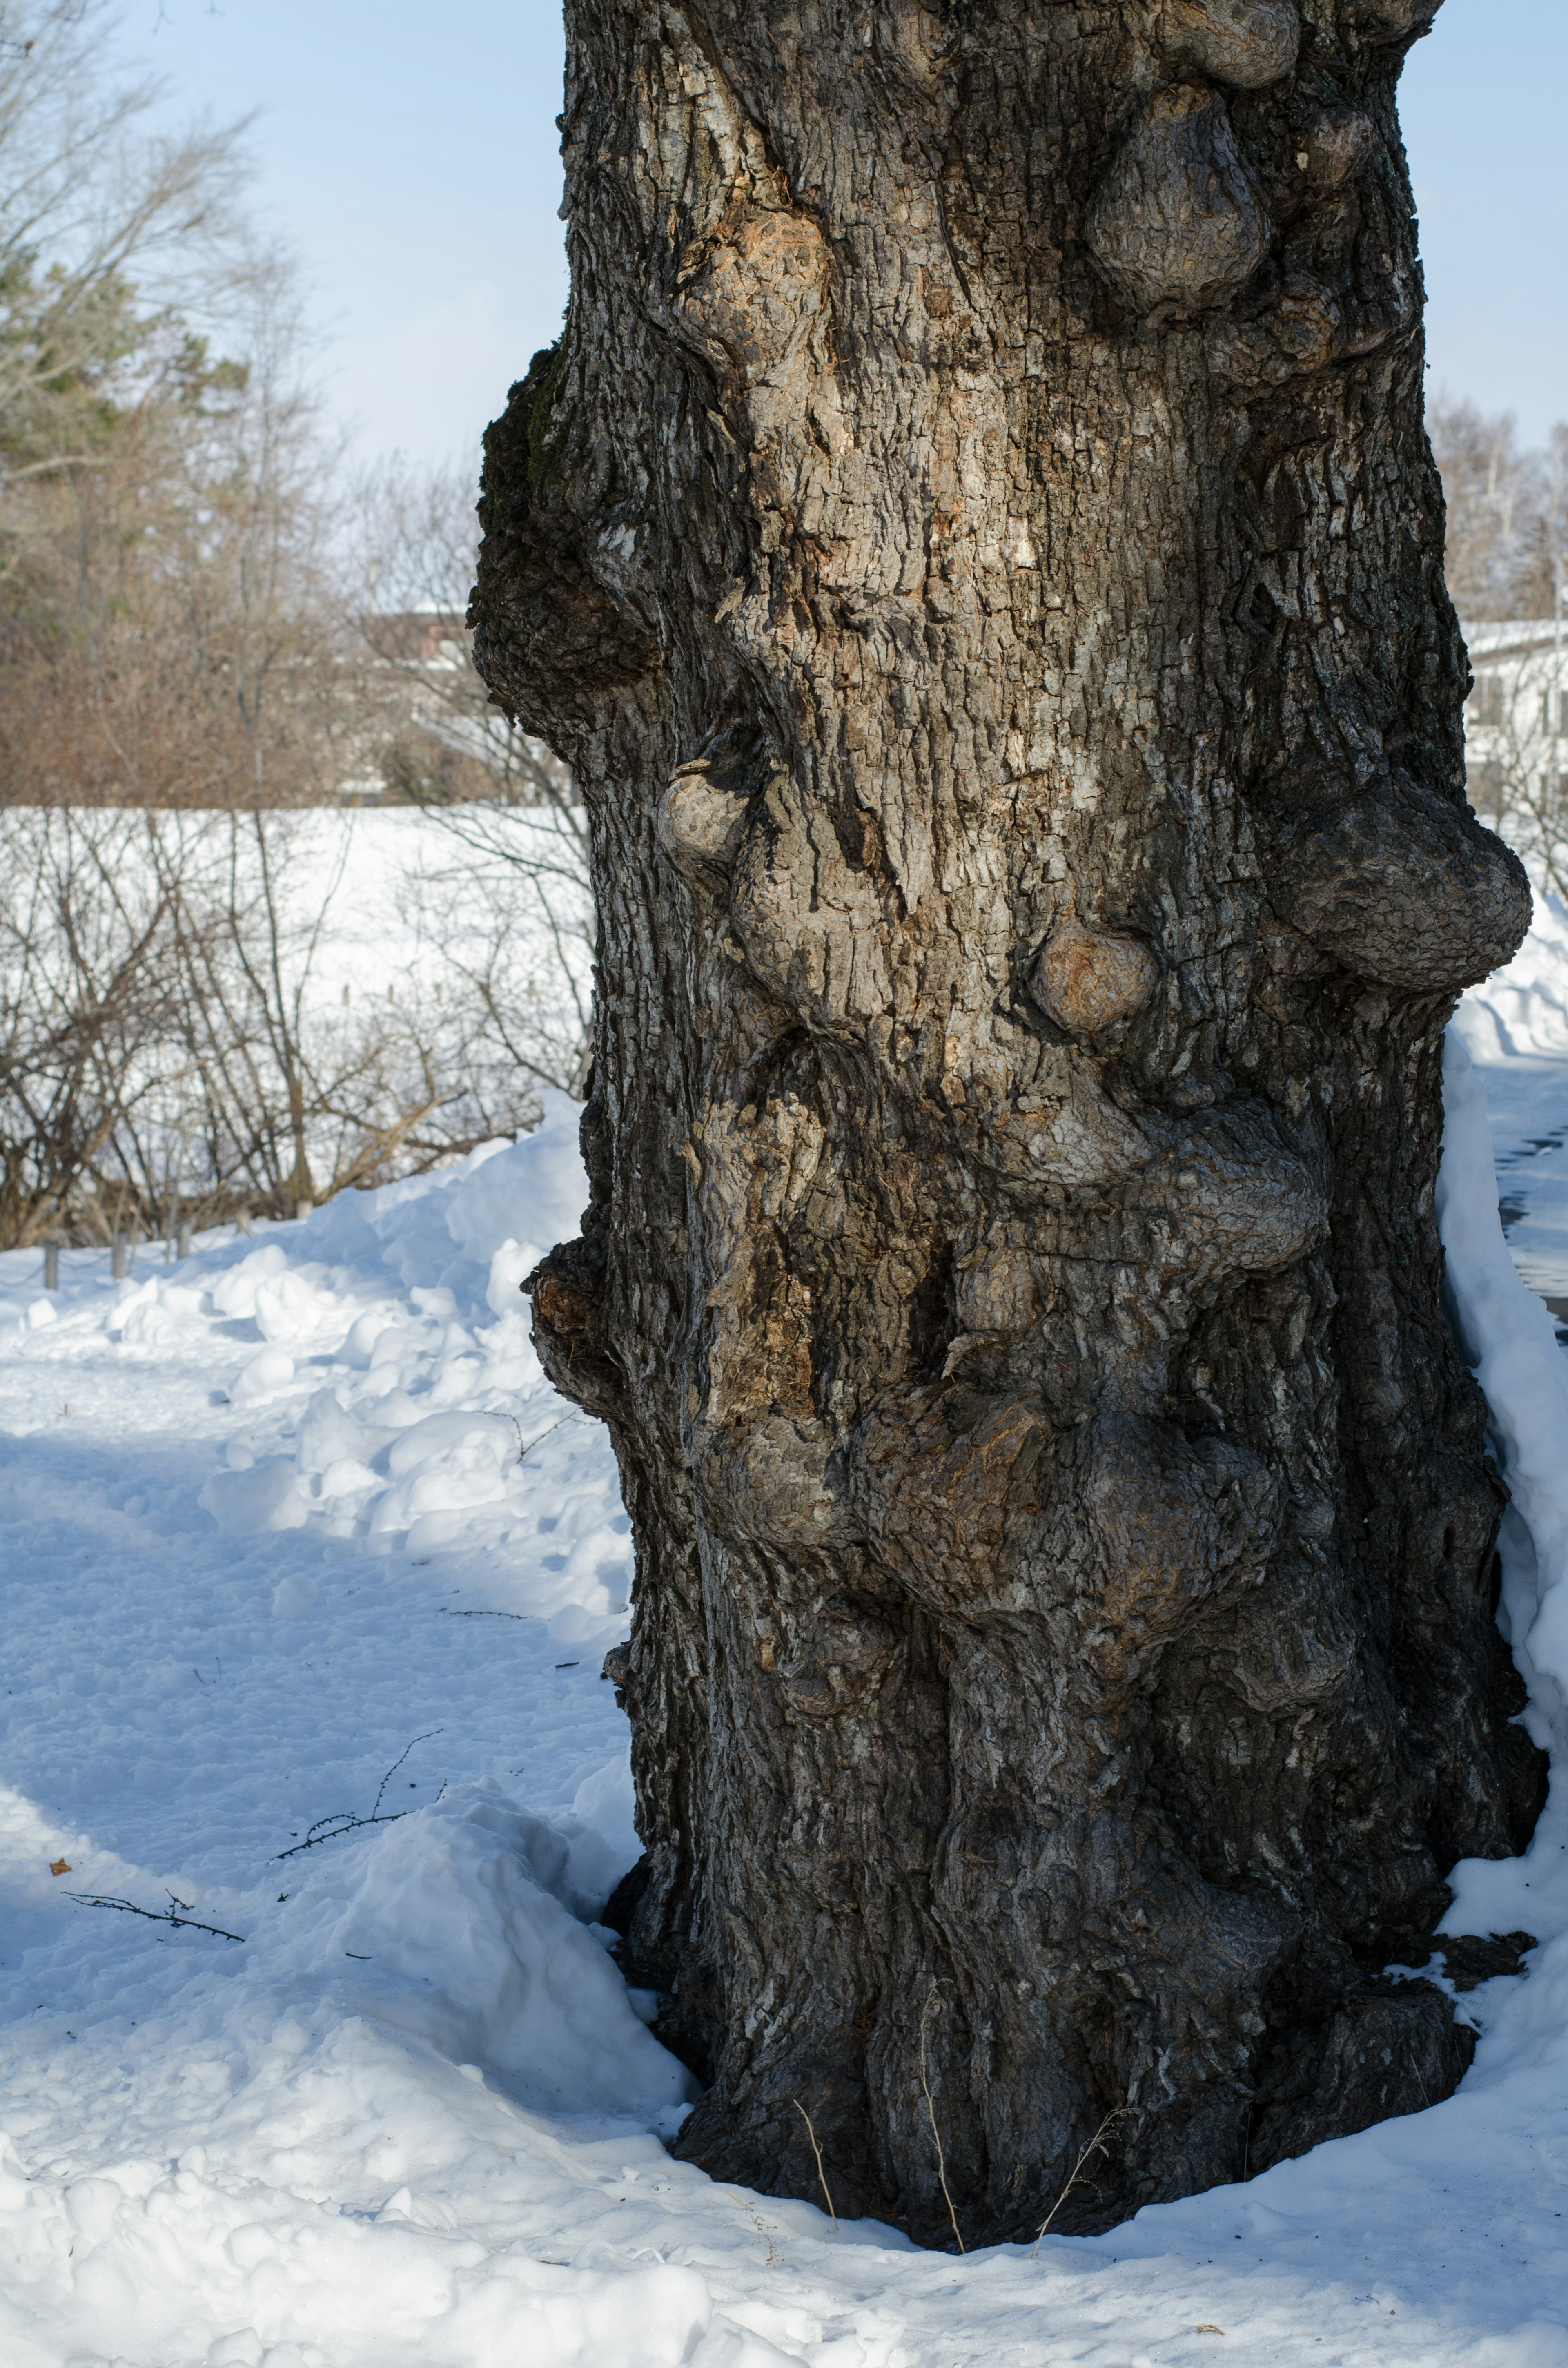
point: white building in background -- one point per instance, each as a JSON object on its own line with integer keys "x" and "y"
{"x": 1516, "y": 725}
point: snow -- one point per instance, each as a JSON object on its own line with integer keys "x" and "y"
{"x": 1515, "y": 1029}
{"x": 308, "y": 1579}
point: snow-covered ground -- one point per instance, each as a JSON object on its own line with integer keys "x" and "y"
{"x": 1515, "y": 1029}
{"x": 307, "y": 1582}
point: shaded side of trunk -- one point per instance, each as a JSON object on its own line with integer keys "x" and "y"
{"x": 977, "y": 545}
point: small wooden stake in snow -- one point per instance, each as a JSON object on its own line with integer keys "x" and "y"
{"x": 926, "y": 2013}
{"x": 52, "y": 1266}
{"x": 1094, "y": 2146}
{"x": 817, "y": 2152}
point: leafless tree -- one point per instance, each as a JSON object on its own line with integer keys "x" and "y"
{"x": 172, "y": 631}
{"x": 412, "y": 556}
{"x": 91, "y": 197}
{"x": 1507, "y": 511}
{"x": 1516, "y": 731}
{"x": 200, "y": 611}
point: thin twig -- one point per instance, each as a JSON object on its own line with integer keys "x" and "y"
{"x": 397, "y": 1763}
{"x": 453, "y": 1614}
{"x": 931, "y": 2113}
{"x": 154, "y": 1915}
{"x": 525, "y": 1448}
{"x": 748, "y": 2206}
{"x": 817, "y": 2151}
{"x": 1094, "y": 2146}
{"x": 341, "y": 1822}
{"x": 344, "y": 1821}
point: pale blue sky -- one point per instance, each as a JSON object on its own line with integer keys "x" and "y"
{"x": 409, "y": 150}
{"x": 1483, "y": 100}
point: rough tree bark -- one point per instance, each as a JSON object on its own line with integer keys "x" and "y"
{"x": 977, "y": 544}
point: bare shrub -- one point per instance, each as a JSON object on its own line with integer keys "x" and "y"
{"x": 308, "y": 1081}
{"x": 189, "y": 1025}
{"x": 85, "y": 1008}
{"x": 506, "y": 899}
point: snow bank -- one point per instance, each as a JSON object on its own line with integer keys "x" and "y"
{"x": 466, "y": 1925}
{"x": 1511, "y": 1343}
{"x": 382, "y": 1362}
{"x": 343, "y": 1509}
{"x": 1522, "y": 1010}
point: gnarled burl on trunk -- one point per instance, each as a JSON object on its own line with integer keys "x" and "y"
{"x": 976, "y": 544}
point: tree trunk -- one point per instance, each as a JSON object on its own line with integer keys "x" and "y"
{"x": 977, "y": 544}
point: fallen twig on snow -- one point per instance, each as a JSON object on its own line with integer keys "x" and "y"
{"x": 525, "y": 1446}
{"x": 347, "y": 1821}
{"x": 154, "y": 1915}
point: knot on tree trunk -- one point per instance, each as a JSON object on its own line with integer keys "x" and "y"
{"x": 1087, "y": 980}
{"x": 1333, "y": 143}
{"x": 1248, "y": 42}
{"x": 1177, "y": 223}
{"x": 569, "y": 1328}
{"x": 706, "y": 804}
{"x": 1404, "y": 887}
{"x": 1111, "y": 1535}
{"x": 554, "y": 622}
